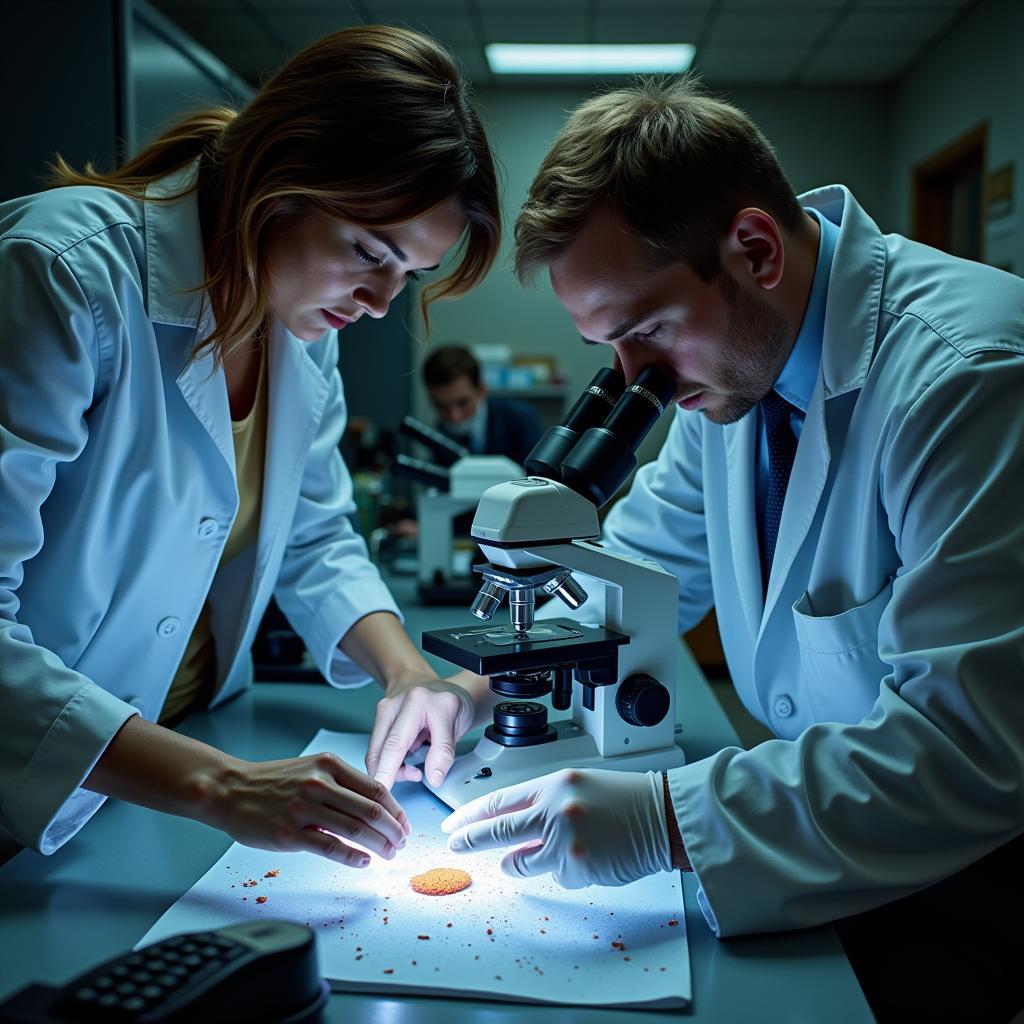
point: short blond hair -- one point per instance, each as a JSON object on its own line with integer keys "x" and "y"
{"x": 673, "y": 162}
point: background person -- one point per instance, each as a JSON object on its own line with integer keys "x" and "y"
{"x": 485, "y": 424}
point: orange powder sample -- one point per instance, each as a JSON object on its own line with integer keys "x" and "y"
{"x": 441, "y": 881}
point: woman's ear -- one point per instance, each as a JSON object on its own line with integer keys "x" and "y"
{"x": 753, "y": 248}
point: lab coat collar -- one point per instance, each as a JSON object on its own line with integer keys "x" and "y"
{"x": 175, "y": 263}
{"x": 854, "y": 292}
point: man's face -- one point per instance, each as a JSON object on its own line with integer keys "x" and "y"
{"x": 724, "y": 345}
{"x": 457, "y": 401}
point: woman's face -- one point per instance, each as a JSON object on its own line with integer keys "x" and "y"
{"x": 325, "y": 273}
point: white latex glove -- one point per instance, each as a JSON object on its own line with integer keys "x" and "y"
{"x": 585, "y": 825}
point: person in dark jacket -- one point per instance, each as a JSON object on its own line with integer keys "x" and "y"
{"x": 485, "y": 424}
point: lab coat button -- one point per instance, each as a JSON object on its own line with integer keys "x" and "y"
{"x": 784, "y": 705}
{"x": 169, "y": 626}
{"x": 207, "y": 527}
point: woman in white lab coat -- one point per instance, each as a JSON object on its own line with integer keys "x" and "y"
{"x": 170, "y": 412}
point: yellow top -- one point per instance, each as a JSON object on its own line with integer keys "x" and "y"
{"x": 194, "y": 681}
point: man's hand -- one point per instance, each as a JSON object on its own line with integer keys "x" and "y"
{"x": 410, "y": 714}
{"x": 586, "y": 826}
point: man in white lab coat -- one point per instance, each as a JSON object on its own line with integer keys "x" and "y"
{"x": 844, "y": 482}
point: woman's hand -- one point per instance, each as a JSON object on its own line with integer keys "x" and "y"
{"x": 317, "y": 803}
{"x": 410, "y": 714}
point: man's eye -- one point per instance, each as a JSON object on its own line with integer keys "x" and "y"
{"x": 648, "y": 335}
{"x": 367, "y": 257}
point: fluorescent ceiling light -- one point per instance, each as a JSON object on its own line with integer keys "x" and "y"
{"x": 577, "y": 59}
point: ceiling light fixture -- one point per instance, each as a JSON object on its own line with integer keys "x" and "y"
{"x": 582, "y": 59}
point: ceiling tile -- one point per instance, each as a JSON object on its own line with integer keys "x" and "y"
{"x": 450, "y": 29}
{"x": 783, "y": 8}
{"x": 746, "y": 64}
{"x": 555, "y": 7}
{"x": 645, "y": 27}
{"x": 840, "y": 63}
{"x": 895, "y": 25}
{"x": 207, "y": 25}
{"x": 732, "y": 28}
{"x": 386, "y": 7}
{"x": 514, "y": 28}
{"x": 298, "y": 29}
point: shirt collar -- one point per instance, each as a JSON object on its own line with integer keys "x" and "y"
{"x": 799, "y": 375}
{"x": 175, "y": 261}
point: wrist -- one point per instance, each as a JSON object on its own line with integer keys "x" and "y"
{"x": 209, "y": 789}
{"x": 677, "y": 849}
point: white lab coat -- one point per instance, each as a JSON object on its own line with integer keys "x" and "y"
{"x": 889, "y": 654}
{"x": 117, "y": 493}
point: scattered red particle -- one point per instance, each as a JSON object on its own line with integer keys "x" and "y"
{"x": 490, "y": 931}
{"x": 389, "y": 970}
{"x": 595, "y": 935}
{"x": 273, "y": 873}
{"x": 673, "y": 923}
{"x": 385, "y": 920}
{"x": 627, "y": 958}
{"x": 546, "y": 918}
{"x": 249, "y": 884}
{"x": 448, "y": 925}
{"x": 422, "y": 936}
{"x": 618, "y": 945}
{"x": 261, "y": 899}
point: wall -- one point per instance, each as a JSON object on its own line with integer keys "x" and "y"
{"x": 974, "y": 72}
{"x": 847, "y": 144}
{"x": 62, "y": 84}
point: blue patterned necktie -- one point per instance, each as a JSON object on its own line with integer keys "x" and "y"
{"x": 781, "y": 449}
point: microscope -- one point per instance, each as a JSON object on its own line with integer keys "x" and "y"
{"x": 455, "y": 481}
{"x": 614, "y": 664}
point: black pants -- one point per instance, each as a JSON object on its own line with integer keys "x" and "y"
{"x": 952, "y": 952}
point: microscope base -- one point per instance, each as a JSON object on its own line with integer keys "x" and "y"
{"x": 490, "y": 766}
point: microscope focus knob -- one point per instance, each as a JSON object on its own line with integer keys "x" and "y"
{"x": 642, "y": 700}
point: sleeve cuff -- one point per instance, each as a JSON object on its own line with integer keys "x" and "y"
{"x": 335, "y": 619}
{"x": 47, "y": 805}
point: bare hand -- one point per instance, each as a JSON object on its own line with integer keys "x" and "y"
{"x": 407, "y": 716}
{"x": 316, "y": 803}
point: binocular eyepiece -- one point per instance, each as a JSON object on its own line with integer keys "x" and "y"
{"x": 594, "y": 449}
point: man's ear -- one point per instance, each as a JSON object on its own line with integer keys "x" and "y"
{"x": 753, "y": 248}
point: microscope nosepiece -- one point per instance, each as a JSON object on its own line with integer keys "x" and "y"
{"x": 487, "y": 600}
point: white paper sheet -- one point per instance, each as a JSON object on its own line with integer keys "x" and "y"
{"x": 517, "y": 940}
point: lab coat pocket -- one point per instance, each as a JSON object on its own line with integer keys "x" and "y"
{"x": 839, "y": 659}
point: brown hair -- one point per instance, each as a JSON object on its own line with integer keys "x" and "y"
{"x": 372, "y": 124}
{"x": 448, "y": 363}
{"x": 673, "y": 162}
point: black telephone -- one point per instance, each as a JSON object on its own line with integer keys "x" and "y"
{"x": 262, "y": 972}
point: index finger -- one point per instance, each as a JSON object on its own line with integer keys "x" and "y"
{"x": 358, "y": 782}
{"x": 501, "y": 801}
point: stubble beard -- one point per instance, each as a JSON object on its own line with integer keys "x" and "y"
{"x": 753, "y": 354}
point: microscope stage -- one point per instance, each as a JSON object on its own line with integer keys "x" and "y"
{"x": 490, "y": 650}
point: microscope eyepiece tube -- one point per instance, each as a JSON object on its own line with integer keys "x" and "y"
{"x": 487, "y": 600}
{"x": 604, "y": 456}
{"x": 591, "y": 410}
